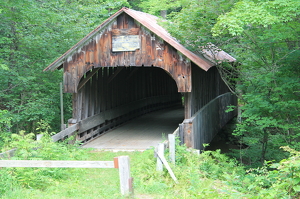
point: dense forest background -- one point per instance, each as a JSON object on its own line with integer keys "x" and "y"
{"x": 262, "y": 35}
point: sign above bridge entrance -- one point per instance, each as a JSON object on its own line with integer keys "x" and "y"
{"x": 125, "y": 43}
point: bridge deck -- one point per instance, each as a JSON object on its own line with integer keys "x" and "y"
{"x": 140, "y": 133}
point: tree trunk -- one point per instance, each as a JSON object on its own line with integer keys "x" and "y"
{"x": 264, "y": 145}
{"x": 163, "y": 14}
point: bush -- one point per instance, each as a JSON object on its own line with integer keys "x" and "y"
{"x": 45, "y": 149}
{"x": 212, "y": 174}
{"x": 5, "y": 123}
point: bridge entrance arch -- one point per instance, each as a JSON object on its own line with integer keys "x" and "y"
{"x": 114, "y": 95}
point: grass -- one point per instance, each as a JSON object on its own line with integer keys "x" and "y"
{"x": 83, "y": 183}
{"x": 104, "y": 183}
{"x": 209, "y": 175}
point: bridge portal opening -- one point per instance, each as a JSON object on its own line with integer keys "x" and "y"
{"x": 111, "y": 96}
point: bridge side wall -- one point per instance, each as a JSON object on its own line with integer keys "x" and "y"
{"x": 205, "y": 107}
{"x": 116, "y": 94}
{"x": 206, "y": 87}
{"x": 202, "y": 127}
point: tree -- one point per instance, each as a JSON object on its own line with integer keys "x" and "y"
{"x": 266, "y": 42}
{"x": 32, "y": 35}
{"x": 192, "y": 24}
{"x": 155, "y": 6}
{"x": 264, "y": 37}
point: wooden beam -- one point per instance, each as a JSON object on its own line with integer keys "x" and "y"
{"x": 132, "y": 72}
{"x": 115, "y": 74}
{"x": 88, "y": 77}
{"x": 62, "y": 125}
{"x": 66, "y": 132}
{"x": 121, "y": 162}
{"x": 130, "y": 31}
{"x": 188, "y": 133}
{"x": 187, "y": 105}
{"x": 164, "y": 161}
{"x": 56, "y": 164}
{"x": 91, "y": 122}
{"x": 171, "y": 138}
{"x": 181, "y": 133}
{"x": 8, "y": 154}
{"x": 124, "y": 173}
{"x": 160, "y": 150}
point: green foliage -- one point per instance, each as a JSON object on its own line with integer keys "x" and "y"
{"x": 287, "y": 175}
{"x": 5, "y": 124}
{"x": 199, "y": 176}
{"x": 32, "y": 35}
{"x": 212, "y": 174}
{"x": 264, "y": 37}
{"x": 155, "y": 6}
{"x": 192, "y": 24}
{"x": 145, "y": 174}
{"x": 275, "y": 180}
{"x": 265, "y": 40}
{"x": 45, "y": 149}
{"x": 218, "y": 166}
{"x": 208, "y": 175}
{"x": 271, "y": 112}
{"x": 258, "y": 14}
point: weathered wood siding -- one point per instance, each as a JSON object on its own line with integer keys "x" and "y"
{"x": 114, "y": 95}
{"x": 205, "y": 108}
{"x": 206, "y": 87}
{"x": 153, "y": 51}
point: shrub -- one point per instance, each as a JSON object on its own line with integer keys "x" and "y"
{"x": 45, "y": 149}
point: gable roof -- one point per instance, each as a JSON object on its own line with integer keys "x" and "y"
{"x": 149, "y": 21}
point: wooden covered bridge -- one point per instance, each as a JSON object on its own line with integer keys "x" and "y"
{"x": 129, "y": 66}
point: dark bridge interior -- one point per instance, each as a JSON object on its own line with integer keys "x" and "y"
{"x": 114, "y": 95}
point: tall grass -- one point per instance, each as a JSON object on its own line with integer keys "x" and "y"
{"x": 208, "y": 175}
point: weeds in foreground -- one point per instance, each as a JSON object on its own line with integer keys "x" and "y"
{"x": 45, "y": 149}
{"x": 212, "y": 175}
{"x": 208, "y": 175}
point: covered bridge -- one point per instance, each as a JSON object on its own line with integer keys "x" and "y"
{"x": 129, "y": 66}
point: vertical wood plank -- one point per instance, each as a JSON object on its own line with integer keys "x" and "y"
{"x": 187, "y": 105}
{"x": 171, "y": 138}
{"x": 79, "y": 105}
{"x": 90, "y": 100}
{"x": 74, "y": 105}
{"x": 62, "y": 125}
{"x": 124, "y": 172}
{"x": 188, "y": 134}
{"x": 39, "y": 136}
{"x": 181, "y": 133}
{"x": 164, "y": 161}
{"x": 160, "y": 150}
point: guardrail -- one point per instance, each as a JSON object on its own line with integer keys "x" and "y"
{"x": 121, "y": 163}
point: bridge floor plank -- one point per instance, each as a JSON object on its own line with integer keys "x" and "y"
{"x": 141, "y": 133}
